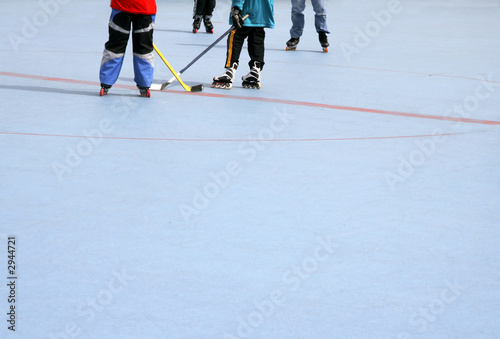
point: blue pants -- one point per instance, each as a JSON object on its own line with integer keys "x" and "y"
{"x": 120, "y": 25}
{"x": 298, "y": 6}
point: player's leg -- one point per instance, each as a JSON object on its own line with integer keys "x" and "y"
{"x": 235, "y": 42}
{"x": 319, "y": 7}
{"x": 199, "y": 6}
{"x": 256, "y": 50}
{"x": 298, "y": 19}
{"x": 114, "y": 49}
{"x": 207, "y": 15}
{"x": 142, "y": 39}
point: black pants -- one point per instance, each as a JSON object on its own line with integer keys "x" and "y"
{"x": 203, "y": 7}
{"x": 142, "y": 35}
{"x": 256, "y": 37}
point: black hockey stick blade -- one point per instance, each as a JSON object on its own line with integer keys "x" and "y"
{"x": 196, "y": 88}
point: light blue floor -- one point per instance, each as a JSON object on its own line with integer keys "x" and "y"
{"x": 356, "y": 195}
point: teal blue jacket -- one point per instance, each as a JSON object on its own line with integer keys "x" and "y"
{"x": 261, "y": 12}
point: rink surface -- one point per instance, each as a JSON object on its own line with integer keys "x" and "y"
{"x": 356, "y": 195}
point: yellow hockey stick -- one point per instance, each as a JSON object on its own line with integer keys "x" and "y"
{"x": 196, "y": 88}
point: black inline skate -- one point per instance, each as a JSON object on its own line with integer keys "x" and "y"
{"x": 252, "y": 79}
{"x": 323, "y": 40}
{"x": 291, "y": 45}
{"x": 197, "y": 23}
{"x": 209, "y": 27}
{"x": 145, "y": 92}
{"x": 225, "y": 81}
{"x": 104, "y": 89}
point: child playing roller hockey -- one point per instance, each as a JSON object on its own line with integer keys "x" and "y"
{"x": 261, "y": 15}
{"x": 203, "y": 10}
{"x": 298, "y": 21}
{"x": 140, "y": 16}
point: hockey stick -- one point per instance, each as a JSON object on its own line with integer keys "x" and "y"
{"x": 200, "y": 55}
{"x": 196, "y": 88}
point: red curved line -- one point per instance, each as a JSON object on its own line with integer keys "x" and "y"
{"x": 225, "y": 140}
{"x": 277, "y": 101}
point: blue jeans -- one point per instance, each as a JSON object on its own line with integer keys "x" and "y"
{"x": 298, "y": 6}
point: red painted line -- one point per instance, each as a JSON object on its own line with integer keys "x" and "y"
{"x": 72, "y": 81}
{"x": 225, "y": 140}
{"x": 352, "y": 109}
{"x": 277, "y": 101}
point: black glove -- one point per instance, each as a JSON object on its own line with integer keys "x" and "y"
{"x": 236, "y": 15}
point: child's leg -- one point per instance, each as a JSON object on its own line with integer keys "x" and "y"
{"x": 207, "y": 15}
{"x": 298, "y": 20}
{"x": 256, "y": 39}
{"x": 209, "y": 8}
{"x": 114, "y": 49}
{"x": 319, "y": 7}
{"x": 256, "y": 47}
{"x": 199, "y": 7}
{"x": 142, "y": 38}
{"x": 235, "y": 42}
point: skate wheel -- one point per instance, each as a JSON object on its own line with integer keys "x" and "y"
{"x": 221, "y": 85}
{"x": 325, "y": 49}
{"x": 195, "y": 31}
{"x": 288, "y": 48}
{"x": 103, "y": 92}
{"x": 146, "y": 94}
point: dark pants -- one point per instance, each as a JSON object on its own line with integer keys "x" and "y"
{"x": 120, "y": 25}
{"x": 203, "y": 7}
{"x": 256, "y": 37}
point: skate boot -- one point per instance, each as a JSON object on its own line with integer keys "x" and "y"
{"x": 252, "y": 79}
{"x": 145, "y": 92}
{"x": 196, "y": 23}
{"x": 209, "y": 27}
{"x": 104, "y": 89}
{"x": 323, "y": 40}
{"x": 291, "y": 45}
{"x": 225, "y": 81}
